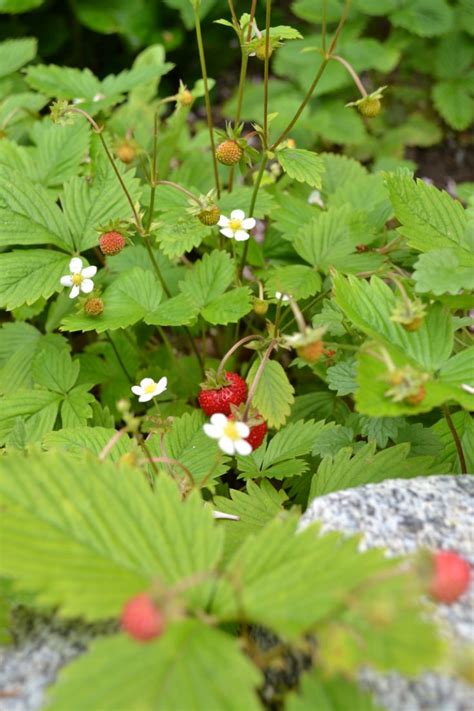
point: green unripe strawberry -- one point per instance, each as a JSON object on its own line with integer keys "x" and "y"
{"x": 209, "y": 216}
{"x": 370, "y": 107}
{"x": 260, "y": 306}
{"x": 261, "y": 53}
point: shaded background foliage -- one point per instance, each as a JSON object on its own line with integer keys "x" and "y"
{"x": 423, "y": 49}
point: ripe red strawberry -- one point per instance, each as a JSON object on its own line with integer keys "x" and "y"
{"x": 229, "y": 152}
{"x": 218, "y": 398}
{"x": 111, "y": 243}
{"x": 450, "y": 577}
{"x": 141, "y": 619}
{"x": 257, "y": 433}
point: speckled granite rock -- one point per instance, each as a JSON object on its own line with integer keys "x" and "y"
{"x": 43, "y": 644}
{"x": 435, "y": 512}
{"x": 401, "y": 515}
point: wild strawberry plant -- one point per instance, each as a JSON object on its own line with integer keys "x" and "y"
{"x": 204, "y": 332}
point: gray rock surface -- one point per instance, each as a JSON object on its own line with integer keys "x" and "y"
{"x": 434, "y": 512}
{"x": 43, "y": 645}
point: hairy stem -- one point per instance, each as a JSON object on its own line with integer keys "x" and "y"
{"x": 153, "y": 176}
{"x": 256, "y": 380}
{"x": 325, "y": 25}
{"x": 316, "y": 79}
{"x": 256, "y": 187}
{"x": 155, "y": 265}
{"x": 456, "y": 438}
{"x": 350, "y": 69}
{"x": 265, "y": 72}
{"x": 207, "y": 99}
{"x": 119, "y": 357}
{"x": 182, "y": 189}
{"x": 136, "y": 216}
{"x": 231, "y": 351}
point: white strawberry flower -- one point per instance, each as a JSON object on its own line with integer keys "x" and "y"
{"x": 80, "y": 278}
{"x": 229, "y": 433}
{"x": 236, "y": 226}
{"x": 284, "y": 298}
{"x": 148, "y": 388}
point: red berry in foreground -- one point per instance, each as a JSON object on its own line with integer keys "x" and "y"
{"x": 451, "y": 574}
{"x": 141, "y": 619}
{"x": 257, "y": 434}
{"x": 111, "y": 243}
{"x": 212, "y": 400}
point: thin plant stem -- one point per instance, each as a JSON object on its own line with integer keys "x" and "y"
{"x": 268, "y": 14}
{"x": 316, "y": 79}
{"x": 166, "y": 342}
{"x": 155, "y": 265}
{"x": 235, "y": 20}
{"x": 240, "y": 90}
{"x": 240, "y": 96}
{"x": 307, "y": 307}
{"x": 136, "y": 216}
{"x": 258, "y": 180}
{"x": 153, "y": 176}
{"x": 182, "y": 189}
{"x": 175, "y": 462}
{"x": 253, "y": 9}
{"x": 256, "y": 380}
{"x": 457, "y": 441}
{"x": 325, "y": 25}
{"x": 298, "y": 315}
{"x": 202, "y": 59}
{"x": 231, "y": 351}
{"x": 143, "y": 445}
{"x": 195, "y": 349}
{"x": 111, "y": 443}
{"x": 350, "y": 69}
{"x": 119, "y": 357}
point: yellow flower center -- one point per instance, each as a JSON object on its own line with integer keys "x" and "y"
{"x": 235, "y": 225}
{"x": 149, "y": 388}
{"x": 77, "y": 279}
{"x": 230, "y": 430}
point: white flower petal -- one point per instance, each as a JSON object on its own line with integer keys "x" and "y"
{"x": 74, "y": 292}
{"x": 145, "y": 382}
{"x": 66, "y": 280}
{"x": 227, "y": 445}
{"x": 87, "y": 286}
{"x": 89, "y": 272}
{"x": 75, "y": 265}
{"x": 223, "y": 221}
{"x": 161, "y": 385}
{"x": 145, "y": 397}
{"x": 219, "y": 419}
{"x": 212, "y": 431}
{"x": 241, "y": 236}
{"x": 237, "y": 215}
{"x": 243, "y": 447}
{"x": 227, "y": 232}
{"x": 242, "y": 429}
{"x": 136, "y": 390}
{"x": 468, "y": 388}
{"x": 249, "y": 223}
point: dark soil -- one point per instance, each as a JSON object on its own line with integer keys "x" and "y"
{"x": 447, "y": 163}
